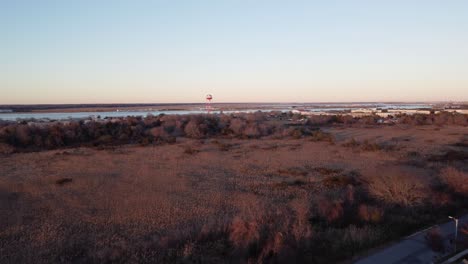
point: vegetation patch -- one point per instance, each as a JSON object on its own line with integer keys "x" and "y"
{"x": 340, "y": 181}
{"x": 189, "y": 150}
{"x": 451, "y": 155}
{"x": 63, "y": 181}
{"x": 293, "y": 171}
{"x": 326, "y": 170}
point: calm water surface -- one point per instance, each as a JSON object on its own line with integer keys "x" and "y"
{"x": 264, "y": 107}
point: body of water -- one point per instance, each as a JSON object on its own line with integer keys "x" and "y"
{"x": 12, "y": 116}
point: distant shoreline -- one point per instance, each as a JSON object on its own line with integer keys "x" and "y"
{"x": 72, "y": 108}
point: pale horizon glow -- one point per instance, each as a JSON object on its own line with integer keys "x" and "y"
{"x": 58, "y": 52}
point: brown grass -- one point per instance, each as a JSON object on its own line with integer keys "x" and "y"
{"x": 455, "y": 179}
{"x": 191, "y": 201}
{"x": 396, "y": 187}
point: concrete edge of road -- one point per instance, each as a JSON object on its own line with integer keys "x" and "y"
{"x": 456, "y": 257}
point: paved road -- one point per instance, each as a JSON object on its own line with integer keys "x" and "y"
{"x": 412, "y": 249}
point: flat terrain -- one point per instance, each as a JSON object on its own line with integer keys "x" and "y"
{"x": 212, "y": 199}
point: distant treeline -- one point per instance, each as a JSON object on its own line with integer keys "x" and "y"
{"x": 34, "y": 136}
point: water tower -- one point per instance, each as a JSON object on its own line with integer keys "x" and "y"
{"x": 209, "y": 97}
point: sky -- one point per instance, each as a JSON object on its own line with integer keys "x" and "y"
{"x": 177, "y": 51}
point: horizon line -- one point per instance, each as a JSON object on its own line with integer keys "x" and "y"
{"x": 264, "y": 102}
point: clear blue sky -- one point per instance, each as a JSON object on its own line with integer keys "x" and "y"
{"x": 177, "y": 51}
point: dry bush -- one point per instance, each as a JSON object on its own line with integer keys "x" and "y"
{"x": 352, "y": 143}
{"x": 443, "y": 118}
{"x": 321, "y": 136}
{"x": 455, "y": 179}
{"x": 237, "y": 126}
{"x": 326, "y": 171}
{"x": 287, "y": 183}
{"x": 272, "y": 236}
{"x": 367, "y": 146}
{"x": 163, "y": 128}
{"x": 460, "y": 119}
{"x": 331, "y": 245}
{"x": 439, "y": 119}
{"x": 369, "y": 120}
{"x": 451, "y": 155}
{"x": 289, "y": 132}
{"x": 345, "y": 119}
{"x": 399, "y": 188}
{"x": 441, "y": 199}
{"x": 6, "y": 149}
{"x": 369, "y": 213}
{"x": 252, "y": 130}
{"x": 244, "y": 233}
{"x": 339, "y": 181}
{"x": 354, "y": 239}
{"x": 194, "y": 129}
{"x": 330, "y": 119}
{"x": 23, "y": 135}
{"x": 330, "y": 210}
{"x": 293, "y": 171}
{"x": 222, "y": 146}
{"x": 268, "y": 147}
{"x": 190, "y": 150}
{"x": 435, "y": 240}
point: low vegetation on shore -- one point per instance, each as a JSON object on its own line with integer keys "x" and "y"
{"x": 34, "y": 136}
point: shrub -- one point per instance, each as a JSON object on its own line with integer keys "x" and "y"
{"x": 327, "y": 171}
{"x": 371, "y": 214}
{"x": 339, "y": 181}
{"x": 293, "y": 171}
{"x": 331, "y": 210}
{"x": 399, "y": 188}
{"x": 237, "y": 126}
{"x": 335, "y": 244}
{"x": 166, "y": 128}
{"x": 366, "y": 146}
{"x": 456, "y": 180}
{"x": 6, "y": 149}
{"x": 159, "y": 133}
{"x": 22, "y": 135}
{"x": 194, "y": 129}
{"x": 190, "y": 150}
{"x": 352, "y": 143}
{"x": 435, "y": 240}
{"x": 353, "y": 238}
{"x": 224, "y": 146}
{"x": 451, "y": 155}
{"x": 321, "y": 136}
{"x": 252, "y": 131}
{"x": 293, "y": 132}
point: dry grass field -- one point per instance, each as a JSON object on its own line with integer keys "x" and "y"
{"x": 215, "y": 200}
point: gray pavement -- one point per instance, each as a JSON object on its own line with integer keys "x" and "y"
{"x": 412, "y": 249}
